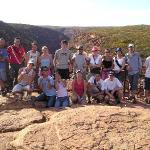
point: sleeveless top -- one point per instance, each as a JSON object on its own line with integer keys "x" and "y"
{"x": 45, "y": 62}
{"x": 79, "y": 87}
{"x": 62, "y": 91}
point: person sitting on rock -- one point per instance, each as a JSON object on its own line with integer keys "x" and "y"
{"x": 95, "y": 84}
{"x": 112, "y": 87}
{"x": 46, "y": 85}
{"x": 79, "y": 89}
{"x": 25, "y": 79}
{"x": 62, "y": 99}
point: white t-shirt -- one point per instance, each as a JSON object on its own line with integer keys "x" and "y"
{"x": 62, "y": 91}
{"x": 147, "y": 65}
{"x": 95, "y": 60}
{"x": 110, "y": 85}
{"x": 99, "y": 83}
{"x": 120, "y": 61}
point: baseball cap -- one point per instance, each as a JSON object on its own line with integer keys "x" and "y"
{"x": 31, "y": 61}
{"x": 111, "y": 73}
{"x": 130, "y": 45}
{"x": 118, "y": 49}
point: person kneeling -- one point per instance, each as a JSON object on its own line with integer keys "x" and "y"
{"x": 95, "y": 90}
{"x": 62, "y": 99}
{"x": 78, "y": 89}
{"x": 112, "y": 87}
{"x": 46, "y": 85}
{"x": 25, "y": 80}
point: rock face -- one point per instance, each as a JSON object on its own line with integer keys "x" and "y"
{"x": 12, "y": 120}
{"x": 88, "y": 128}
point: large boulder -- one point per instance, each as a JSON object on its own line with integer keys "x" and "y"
{"x": 88, "y": 128}
{"x": 13, "y": 120}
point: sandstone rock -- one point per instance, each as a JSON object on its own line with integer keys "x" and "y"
{"x": 88, "y": 128}
{"x": 13, "y": 120}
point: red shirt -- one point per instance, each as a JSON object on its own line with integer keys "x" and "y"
{"x": 79, "y": 87}
{"x": 15, "y": 54}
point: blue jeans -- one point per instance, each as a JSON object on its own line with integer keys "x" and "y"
{"x": 62, "y": 102}
{"x": 50, "y": 100}
{"x": 133, "y": 80}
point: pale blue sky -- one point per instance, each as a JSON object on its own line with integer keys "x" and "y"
{"x": 76, "y": 12}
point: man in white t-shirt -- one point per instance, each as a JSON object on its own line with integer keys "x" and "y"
{"x": 95, "y": 88}
{"x": 113, "y": 88}
{"x": 147, "y": 80}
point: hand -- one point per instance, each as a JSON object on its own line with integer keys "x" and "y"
{"x": 23, "y": 73}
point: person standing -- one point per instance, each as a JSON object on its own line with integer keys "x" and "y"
{"x": 62, "y": 60}
{"x": 107, "y": 63}
{"x": 16, "y": 54}
{"x": 147, "y": 80}
{"x": 79, "y": 60}
{"x": 46, "y": 59}
{"x": 134, "y": 67}
{"x": 3, "y": 61}
{"x": 119, "y": 65}
{"x": 32, "y": 54}
{"x": 95, "y": 61}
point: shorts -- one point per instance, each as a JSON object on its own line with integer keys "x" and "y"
{"x": 20, "y": 88}
{"x": 3, "y": 75}
{"x": 95, "y": 90}
{"x": 147, "y": 83}
{"x": 64, "y": 73}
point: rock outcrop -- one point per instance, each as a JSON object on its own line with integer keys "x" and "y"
{"x": 88, "y": 128}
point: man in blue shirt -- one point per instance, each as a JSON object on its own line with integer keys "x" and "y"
{"x": 134, "y": 67}
{"x": 46, "y": 84}
{"x": 3, "y": 61}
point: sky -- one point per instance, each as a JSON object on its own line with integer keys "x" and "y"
{"x": 76, "y": 12}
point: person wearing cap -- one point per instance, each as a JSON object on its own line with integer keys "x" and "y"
{"x": 112, "y": 87}
{"x": 134, "y": 66}
{"x": 107, "y": 63}
{"x": 95, "y": 60}
{"x": 63, "y": 60}
{"x": 94, "y": 88}
{"x": 79, "y": 60}
{"x": 46, "y": 85}
{"x": 119, "y": 64}
{"x": 79, "y": 87}
{"x": 25, "y": 79}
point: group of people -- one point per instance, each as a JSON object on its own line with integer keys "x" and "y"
{"x": 95, "y": 76}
